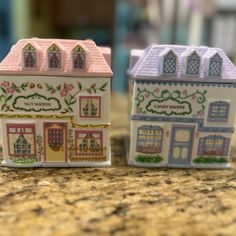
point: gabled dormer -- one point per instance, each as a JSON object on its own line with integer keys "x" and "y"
{"x": 30, "y": 57}
{"x": 79, "y": 58}
{"x": 192, "y": 64}
{"x": 168, "y": 62}
{"x": 54, "y": 57}
{"x": 215, "y": 65}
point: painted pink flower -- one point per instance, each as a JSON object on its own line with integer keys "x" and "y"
{"x": 147, "y": 95}
{"x": 5, "y": 84}
{"x": 194, "y": 96}
{"x": 93, "y": 85}
{"x": 185, "y": 92}
{"x": 64, "y": 92}
{"x": 157, "y": 90}
{"x": 10, "y": 90}
{"x": 70, "y": 86}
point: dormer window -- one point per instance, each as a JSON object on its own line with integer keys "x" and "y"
{"x": 78, "y": 58}
{"x": 54, "y": 57}
{"x": 169, "y": 63}
{"x": 29, "y": 57}
{"x": 215, "y": 65}
{"x": 193, "y": 64}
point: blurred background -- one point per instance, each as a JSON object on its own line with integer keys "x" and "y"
{"x": 121, "y": 24}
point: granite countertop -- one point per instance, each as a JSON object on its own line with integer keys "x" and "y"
{"x": 119, "y": 200}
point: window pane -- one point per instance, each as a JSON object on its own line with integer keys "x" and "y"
{"x": 78, "y": 60}
{"x": 54, "y": 60}
{"x": 30, "y": 59}
{"x": 193, "y": 66}
{"x": 218, "y": 111}
{"x": 147, "y": 139}
{"x": 20, "y": 141}
{"x": 90, "y": 107}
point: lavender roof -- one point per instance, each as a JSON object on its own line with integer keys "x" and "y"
{"x": 145, "y": 64}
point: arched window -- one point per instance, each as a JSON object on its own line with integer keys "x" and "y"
{"x": 149, "y": 139}
{"x": 215, "y": 65}
{"x": 169, "y": 63}
{"x": 193, "y": 64}
{"x": 54, "y": 57}
{"x": 213, "y": 145}
{"x": 78, "y": 58}
{"x": 29, "y": 57}
{"x": 218, "y": 111}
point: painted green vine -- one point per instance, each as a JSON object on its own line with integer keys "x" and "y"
{"x": 143, "y": 94}
{"x": 66, "y": 90}
{"x": 7, "y": 90}
{"x": 69, "y": 97}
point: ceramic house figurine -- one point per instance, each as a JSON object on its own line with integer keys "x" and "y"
{"x": 183, "y": 107}
{"x": 54, "y": 104}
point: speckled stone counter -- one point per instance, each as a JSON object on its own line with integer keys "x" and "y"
{"x": 119, "y": 200}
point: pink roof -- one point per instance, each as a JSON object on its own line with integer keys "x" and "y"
{"x": 97, "y": 58}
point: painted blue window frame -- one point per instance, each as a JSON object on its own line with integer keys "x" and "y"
{"x": 170, "y": 61}
{"x": 213, "y": 145}
{"x": 215, "y": 66}
{"x": 218, "y": 111}
{"x": 193, "y": 64}
{"x": 156, "y": 140}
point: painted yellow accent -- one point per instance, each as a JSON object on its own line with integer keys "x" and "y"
{"x": 184, "y": 153}
{"x": 182, "y": 136}
{"x": 55, "y": 155}
{"x": 176, "y": 153}
{"x": 71, "y": 118}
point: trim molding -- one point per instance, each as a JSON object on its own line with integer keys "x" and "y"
{"x": 59, "y": 117}
{"x": 190, "y": 83}
{"x": 198, "y": 121}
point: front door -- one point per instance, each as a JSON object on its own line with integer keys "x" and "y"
{"x": 55, "y": 138}
{"x": 181, "y": 144}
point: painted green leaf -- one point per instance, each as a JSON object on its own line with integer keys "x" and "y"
{"x": 47, "y": 86}
{"x": 71, "y": 110}
{"x": 72, "y": 102}
{"x": 70, "y": 96}
{"x": 9, "y": 97}
{"x": 79, "y": 85}
{"x": 3, "y": 107}
{"x": 103, "y": 86}
{"x": 24, "y": 86}
{"x": 3, "y": 90}
{"x": 66, "y": 101}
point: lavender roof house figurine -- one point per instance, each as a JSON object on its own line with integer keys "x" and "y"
{"x": 54, "y": 104}
{"x": 183, "y": 106}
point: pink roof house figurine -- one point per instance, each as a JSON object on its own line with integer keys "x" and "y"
{"x": 183, "y": 107}
{"x": 54, "y": 104}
